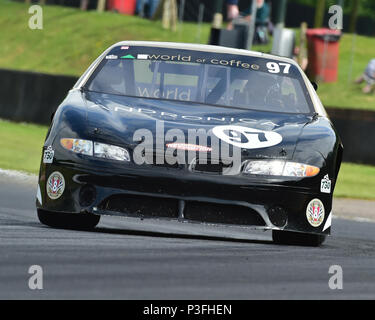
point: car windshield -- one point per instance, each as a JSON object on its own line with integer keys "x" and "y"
{"x": 202, "y": 77}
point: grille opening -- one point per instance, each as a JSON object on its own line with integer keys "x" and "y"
{"x": 87, "y": 195}
{"x": 154, "y": 207}
{"x": 278, "y": 216}
{"x": 141, "y": 206}
{"x": 209, "y": 166}
{"x": 222, "y": 213}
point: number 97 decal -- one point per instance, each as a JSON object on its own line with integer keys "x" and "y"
{"x": 274, "y": 67}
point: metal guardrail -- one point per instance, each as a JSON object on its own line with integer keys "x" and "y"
{"x": 30, "y": 96}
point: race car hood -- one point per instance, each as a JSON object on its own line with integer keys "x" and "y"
{"x": 264, "y": 135}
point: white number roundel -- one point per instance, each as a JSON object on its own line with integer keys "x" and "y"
{"x": 247, "y": 138}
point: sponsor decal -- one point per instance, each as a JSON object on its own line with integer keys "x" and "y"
{"x": 189, "y": 147}
{"x": 247, "y": 63}
{"x": 189, "y": 58}
{"x": 325, "y": 185}
{"x": 48, "y": 155}
{"x": 247, "y": 138}
{"x": 142, "y": 56}
{"x": 315, "y": 212}
{"x": 111, "y": 57}
{"x": 169, "y": 92}
{"x": 167, "y": 57}
{"x": 55, "y": 185}
{"x": 174, "y": 116}
{"x": 129, "y": 56}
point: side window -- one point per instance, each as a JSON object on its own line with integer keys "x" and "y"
{"x": 288, "y": 91}
{"x": 292, "y": 95}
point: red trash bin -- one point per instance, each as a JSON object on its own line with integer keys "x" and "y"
{"x": 323, "y": 54}
{"x": 122, "y": 6}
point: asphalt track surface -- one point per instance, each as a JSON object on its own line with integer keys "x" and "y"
{"x": 132, "y": 259}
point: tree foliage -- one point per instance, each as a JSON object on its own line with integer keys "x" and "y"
{"x": 319, "y": 13}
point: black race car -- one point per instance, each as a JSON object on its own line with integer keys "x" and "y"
{"x": 194, "y": 133}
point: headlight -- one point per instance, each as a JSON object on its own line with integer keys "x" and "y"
{"x": 280, "y": 168}
{"x": 107, "y": 151}
{"x": 96, "y": 149}
{"x": 78, "y": 146}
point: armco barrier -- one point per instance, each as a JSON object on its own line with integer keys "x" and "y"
{"x": 33, "y": 97}
{"x": 357, "y": 131}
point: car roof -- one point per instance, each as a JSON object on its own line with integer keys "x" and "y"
{"x": 202, "y": 47}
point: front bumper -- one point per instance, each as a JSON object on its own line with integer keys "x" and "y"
{"x": 162, "y": 192}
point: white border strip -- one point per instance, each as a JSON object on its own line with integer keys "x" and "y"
{"x": 19, "y": 175}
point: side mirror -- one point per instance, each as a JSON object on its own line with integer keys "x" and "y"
{"x": 315, "y": 85}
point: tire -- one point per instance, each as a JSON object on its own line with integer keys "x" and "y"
{"x": 68, "y": 220}
{"x": 296, "y": 238}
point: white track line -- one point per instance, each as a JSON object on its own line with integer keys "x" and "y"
{"x": 19, "y": 176}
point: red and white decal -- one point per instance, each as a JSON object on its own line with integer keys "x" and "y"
{"x": 55, "y": 185}
{"x": 315, "y": 212}
{"x": 189, "y": 147}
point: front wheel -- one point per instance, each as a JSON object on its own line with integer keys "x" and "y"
{"x": 68, "y": 220}
{"x": 296, "y": 238}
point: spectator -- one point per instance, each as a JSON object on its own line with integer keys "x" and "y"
{"x": 232, "y": 10}
{"x": 263, "y": 13}
{"x": 146, "y": 8}
{"x": 262, "y": 19}
{"x": 300, "y": 58}
{"x": 368, "y": 76}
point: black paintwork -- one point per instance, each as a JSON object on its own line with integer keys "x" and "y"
{"x": 113, "y": 119}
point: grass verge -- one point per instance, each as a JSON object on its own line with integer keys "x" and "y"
{"x": 21, "y": 146}
{"x": 356, "y": 181}
{"x": 71, "y": 39}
